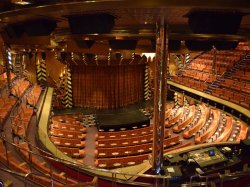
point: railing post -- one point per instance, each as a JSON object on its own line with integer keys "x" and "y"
{"x": 6, "y": 151}
{"x": 168, "y": 182}
{"x": 113, "y": 179}
{"x": 52, "y": 182}
{"x": 206, "y": 181}
{"x": 191, "y": 180}
{"x": 221, "y": 180}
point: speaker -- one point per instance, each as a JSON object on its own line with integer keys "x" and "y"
{"x": 153, "y": 43}
{"x": 30, "y": 55}
{"x": 91, "y": 23}
{"x": 174, "y": 45}
{"x": 123, "y": 44}
{"x": 43, "y": 54}
{"x": 62, "y": 56}
{"x": 198, "y": 45}
{"x": 118, "y": 56}
{"x": 14, "y": 30}
{"x": 214, "y": 22}
{"x": 39, "y": 27}
{"x": 225, "y": 45}
{"x": 90, "y": 57}
{"x": 85, "y": 44}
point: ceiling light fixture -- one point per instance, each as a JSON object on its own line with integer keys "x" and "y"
{"x": 149, "y": 56}
{"x": 20, "y": 2}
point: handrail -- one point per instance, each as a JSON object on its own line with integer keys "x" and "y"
{"x": 81, "y": 166}
{"x": 25, "y": 177}
{"x": 221, "y": 177}
{"x": 17, "y": 147}
{"x": 84, "y": 166}
{"x": 240, "y": 109}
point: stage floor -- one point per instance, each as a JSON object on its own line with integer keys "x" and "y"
{"x": 126, "y": 117}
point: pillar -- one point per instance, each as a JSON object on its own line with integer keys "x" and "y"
{"x": 159, "y": 95}
{"x": 7, "y": 65}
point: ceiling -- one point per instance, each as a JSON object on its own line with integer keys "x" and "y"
{"x": 133, "y": 20}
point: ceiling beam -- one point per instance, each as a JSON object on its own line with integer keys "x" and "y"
{"x": 70, "y": 7}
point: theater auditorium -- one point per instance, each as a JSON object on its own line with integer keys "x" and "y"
{"x": 124, "y": 93}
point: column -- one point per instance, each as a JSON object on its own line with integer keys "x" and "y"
{"x": 159, "y": 95}
{"x": 7, "y": 65}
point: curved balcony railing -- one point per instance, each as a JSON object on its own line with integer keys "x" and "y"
{"x": 234, "y": 109}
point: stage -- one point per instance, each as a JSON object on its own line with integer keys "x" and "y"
{"x": 106, "y": 119}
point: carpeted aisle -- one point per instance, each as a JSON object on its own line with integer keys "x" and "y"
{"x": 90, "y": 146}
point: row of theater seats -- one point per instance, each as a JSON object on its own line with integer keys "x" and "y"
{"x": 117, "y": 162}
{"x": 19, "y": 123}
{"x": 21, "y": 166}
{"x": 212, "y": 125}
{"x": 190, "y": 82}
{"x": 173, "y": 117}
{"x": 19, "y": 86}
{"x": 22, "y": 114}
{"x": 34, "y": 95}
{"x": 21, "y": 120}
{"x": 206, "y": 68}
{"x": 193, "y": 76}
{"x": 68, "y": 133}
{"x": 131, "y": 140}
{"x": 198, "y": 122}
{"x": 6, "y": 104}
{"x": 3, "y": 79}
{"x": 133, "y": 148}
{"x": 237, "y": 85}
{"x": 223, "y": 61}
{"x": 185, "y": 121}
{"x": 200, "y": 63}
{"x": 242, "y": 75}
{"x": 198, "y": 75}
{"x": 233, "y": 96}
{"x": 228, "y": 56}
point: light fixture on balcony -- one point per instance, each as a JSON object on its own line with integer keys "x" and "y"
{"x": 20, "y": 2}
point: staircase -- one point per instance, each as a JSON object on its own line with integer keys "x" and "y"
{"x": 227, "y": 75}
{"x": 18, "y": 65}
{"x": 237, "y": 66}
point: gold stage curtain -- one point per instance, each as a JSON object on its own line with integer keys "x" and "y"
{"x": 107, "y": 87}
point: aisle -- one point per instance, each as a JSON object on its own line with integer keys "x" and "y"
{"x": 90, "y": 146}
